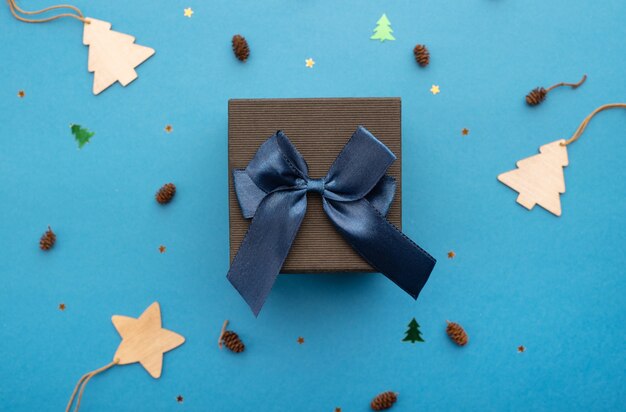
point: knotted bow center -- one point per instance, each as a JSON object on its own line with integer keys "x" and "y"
{"x": 316, "y": 185}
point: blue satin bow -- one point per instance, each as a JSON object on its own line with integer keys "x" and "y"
{"x": 356, "y": 196}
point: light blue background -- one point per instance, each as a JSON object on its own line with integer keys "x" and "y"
{"x": 554, "y": 285}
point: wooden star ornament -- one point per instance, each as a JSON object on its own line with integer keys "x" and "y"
{"x": 144, "y": 340}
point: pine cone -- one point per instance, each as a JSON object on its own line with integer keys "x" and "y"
{"x": 422, "y": 55}
{"x": 166, "y": 193}
{"x": 47, "y": 240}
{"x": 536, "y": 96}
{"x": 457, "y": 333}
{"x": 232, "y": 341}
{"x": 384, "y": 401}
{"x": 240, "y": 47}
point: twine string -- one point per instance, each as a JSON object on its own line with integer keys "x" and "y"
{"x": 219, "y": 340}
{"x": 583, "y": 125}
{"x": 82, "y": 383}
{"x": 16, "y": 11}
{"x": 572, "y": 85}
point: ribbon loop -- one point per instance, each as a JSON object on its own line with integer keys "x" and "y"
{"x": 276, "y": 164}
{"x": 356, "y": 196}
{"x": 359, "y": 167}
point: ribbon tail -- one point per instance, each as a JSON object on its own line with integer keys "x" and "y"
{"x": 382, "y": 194}
{"x": 266, "y": 245}
{"x": 381, "y": 244}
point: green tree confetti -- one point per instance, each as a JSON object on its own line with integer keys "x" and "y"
{"x": 413, "y": 334}
{"x": 81, "y": 134}
{"x": 383, "y": 30}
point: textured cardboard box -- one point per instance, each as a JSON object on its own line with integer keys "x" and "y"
{"x": 319, "y": 128}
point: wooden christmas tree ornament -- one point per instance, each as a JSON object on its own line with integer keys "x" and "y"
{"x": 113, "y": 56}
{"x": 539, "y": 179}
{"x": 143, "y": 341}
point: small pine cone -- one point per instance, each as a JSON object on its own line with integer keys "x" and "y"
{"x": 232, "y": 341}
{"x": 422, "y": 55}
{"x": 384, "y": 401}
{"x": 166, "y": 193}
{"x": 536, "y": 96}
{"x": 457, "y": 333}
{"x": 240, "y": 47}
{"x": 47, "y": 240}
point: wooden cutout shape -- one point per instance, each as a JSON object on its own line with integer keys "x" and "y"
{"x": 144, "y": 340}
{"x": 113, "y": 56}
{"x": 539, "y": 179}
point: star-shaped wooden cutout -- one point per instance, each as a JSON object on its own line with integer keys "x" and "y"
{"x": 465, "y": 131}
{"x": 162, "y": 249}
{"x": 300, "y": 340}
{"x": 521, "y": 348}
{"x": 61, "y": 306}
{"x": 179, "y": 399}
{"x": 144, "y": 340}
{"x": 451, "y": 254}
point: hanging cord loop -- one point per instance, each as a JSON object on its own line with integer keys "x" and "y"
{"x": 220, "y": 339}
{"x": 585, "y": 122}
{"x": 82, "y": 383}
{"x": 16, "y": 11}
{"x": 572, "y": 85}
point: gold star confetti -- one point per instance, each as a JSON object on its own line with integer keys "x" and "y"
{"x": 300, "y": 340}
{"x": 309, "y": 63}
{"x": 188, "y": 12}
{"x": 521, "y": 348}
{"x": 435, "y": 89}
{"x": 179, "y": 399}
{"x": 62, "y": 306}
{"x": 21, "y": 94}
{"x": 451, "y": 254}
{"x": 162, "y": 249}
{"x": 465, "y": 131}
{"x": 168, "y": 128}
